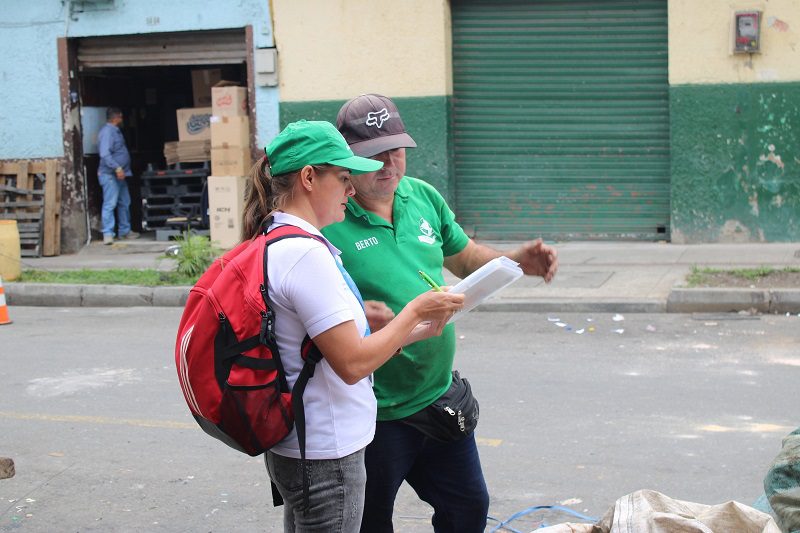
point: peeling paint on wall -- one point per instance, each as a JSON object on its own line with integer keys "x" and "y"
{"x": 772, "y": 157}
{"x": 777, "y": 24}
{"x": 735, "y": 162}
{"x": 733, "y": 231}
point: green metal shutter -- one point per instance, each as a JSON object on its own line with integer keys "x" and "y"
{"x": 561, "y": 118}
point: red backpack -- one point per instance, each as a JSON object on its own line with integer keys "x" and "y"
{"x": 227, "y": 355}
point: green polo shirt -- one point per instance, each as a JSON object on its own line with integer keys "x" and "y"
{"x": 384, "y": 260}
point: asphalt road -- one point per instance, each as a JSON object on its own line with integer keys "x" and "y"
{"x": 692, "y": 406}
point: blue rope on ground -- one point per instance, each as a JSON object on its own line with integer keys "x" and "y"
{"x": 504, "y": 523}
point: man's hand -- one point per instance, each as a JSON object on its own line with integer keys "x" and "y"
{"x": 425, "y": 330}
{"x": 120, "y": 173}
{"x": 378, "y": 314}
{"x": 536, "y": 258}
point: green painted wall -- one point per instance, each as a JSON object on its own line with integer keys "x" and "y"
{"x": 427, "y": 119}
{"x": 735, "y": 162}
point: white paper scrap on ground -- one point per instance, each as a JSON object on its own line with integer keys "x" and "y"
{"x": 485, "y": 282}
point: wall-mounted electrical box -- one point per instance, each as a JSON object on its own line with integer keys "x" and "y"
{"x": 746, "y": 32}
{"x": 266, "y": 66}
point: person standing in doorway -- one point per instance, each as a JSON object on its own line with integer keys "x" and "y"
{"x": 115, "y": 167}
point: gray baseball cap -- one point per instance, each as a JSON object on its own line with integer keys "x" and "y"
{"x": 371, "y": 124}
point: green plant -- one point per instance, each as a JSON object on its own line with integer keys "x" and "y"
{"x": 700, "y": 276}
{"x": 194, "y": 254}
{"x": 113, "y": 276}
{"x": 697, "y": 275}
{"x": 753, "y": 274}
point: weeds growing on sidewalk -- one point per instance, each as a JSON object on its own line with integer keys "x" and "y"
{"x": 113, "y": 276}
{"x": 744, "y": 277}
{"x": 195, "y": 254}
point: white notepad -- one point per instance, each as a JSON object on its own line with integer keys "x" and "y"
{"x": 485, "y": 282}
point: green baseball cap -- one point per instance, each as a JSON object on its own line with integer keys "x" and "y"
{"x": 314, "y": 142}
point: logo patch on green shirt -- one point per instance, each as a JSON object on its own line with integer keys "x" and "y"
{"x": 427, "y": 232}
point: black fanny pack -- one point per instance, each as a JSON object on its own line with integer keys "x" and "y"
{"x": 450, "y": 418}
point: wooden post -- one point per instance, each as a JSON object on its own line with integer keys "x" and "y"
{"x": 51, "y": 240}
{"x": 22, "y": 178}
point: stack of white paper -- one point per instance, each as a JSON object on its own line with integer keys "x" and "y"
{"x": 488, "y": 280}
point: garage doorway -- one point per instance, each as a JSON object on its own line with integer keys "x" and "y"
{"x": 148, "y": 77}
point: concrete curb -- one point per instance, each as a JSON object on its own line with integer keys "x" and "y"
{"x": 733, "y": 300}
{"x": 575, "y": 305}
{"x": 680, "y": 300}
{"x": 65, "y": 295}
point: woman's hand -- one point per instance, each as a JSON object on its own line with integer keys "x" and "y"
{"x": 353, "y": 357}
{"x": 436, "y": 306}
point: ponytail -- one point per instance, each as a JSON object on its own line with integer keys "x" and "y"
{"x": 265, "y": 193}
{"x": 258, "y": 199}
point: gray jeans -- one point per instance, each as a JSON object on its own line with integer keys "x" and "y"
{"x": 336, "y": 492}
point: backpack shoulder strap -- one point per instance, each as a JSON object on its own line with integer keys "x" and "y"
{"x": 308, "y": 350}
{"x": 288, "y": 231}
{"x": 278, "y": 234}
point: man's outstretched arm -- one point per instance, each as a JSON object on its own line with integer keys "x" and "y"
{"x": 534, "y": 257}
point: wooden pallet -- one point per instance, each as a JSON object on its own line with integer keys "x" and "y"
{"x": 30, "y": 193}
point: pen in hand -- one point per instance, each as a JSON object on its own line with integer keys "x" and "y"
{"x": 429, "y": 281}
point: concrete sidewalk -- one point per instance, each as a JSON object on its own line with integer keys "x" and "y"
{"x": 593, "y": 277}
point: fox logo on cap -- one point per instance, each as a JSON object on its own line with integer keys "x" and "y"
{"x": 377, "y": 118}
{"x": 371, "y": 124}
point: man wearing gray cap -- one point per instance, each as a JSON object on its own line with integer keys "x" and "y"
{"x": 395, "y": 226}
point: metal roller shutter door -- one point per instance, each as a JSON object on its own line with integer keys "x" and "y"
{"x": 561, "y": 118}
{"x": 214, "y": 47}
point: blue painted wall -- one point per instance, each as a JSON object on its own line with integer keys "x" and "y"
{"x": 30, "y": 107}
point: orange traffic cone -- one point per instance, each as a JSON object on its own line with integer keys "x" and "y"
{"x": 3, "y": 307}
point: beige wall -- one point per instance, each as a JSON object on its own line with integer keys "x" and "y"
{"x": 701, "y": 42}
{"x": 333, "y": 49}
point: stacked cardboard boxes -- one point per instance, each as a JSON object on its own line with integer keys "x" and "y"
{"x": 230, "y": 145}
{"x": 230, "y": 162}
{"x": 194, "y": 136}
{"x": 187, "y": 151}
{"x": 230, "y": 131}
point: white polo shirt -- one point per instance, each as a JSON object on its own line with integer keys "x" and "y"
{"x": 310, "y": 295}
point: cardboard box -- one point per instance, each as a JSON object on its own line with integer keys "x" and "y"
{"x": 202, "y": 82}
{"x": 187, "y": 151}
{"x": 225, "y": 207}
{"x": 194, "y": 123}
{"x": 230, "y": 161}
{"x": 228, "y": 100}
{"x": 230, "y": 132}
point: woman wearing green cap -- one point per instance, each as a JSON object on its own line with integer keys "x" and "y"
{"x": 304, "y": 181}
